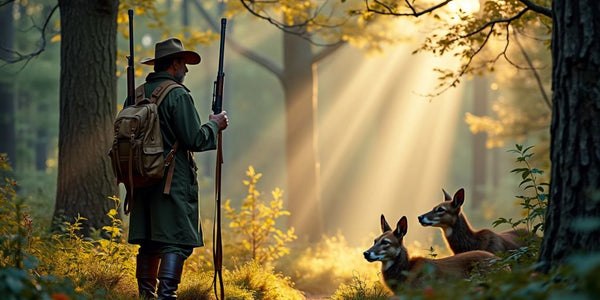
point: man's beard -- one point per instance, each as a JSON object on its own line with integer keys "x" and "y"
{"x": 179, "y": 76}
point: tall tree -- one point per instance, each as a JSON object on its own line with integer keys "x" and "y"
{"x": 573, "y": 210}
{"x": 87, "y": 109}
{"x": 7, "y": 99}
{"x": 575, "y": 176}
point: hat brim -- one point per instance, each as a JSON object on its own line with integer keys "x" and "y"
{"x": 190, "y": 58}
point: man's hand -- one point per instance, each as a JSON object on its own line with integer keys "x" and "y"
{"x": 221, "y": 119}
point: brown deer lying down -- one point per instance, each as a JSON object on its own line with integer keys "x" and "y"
{"x": 459, "y": 234}
{"x": 398, "y": 268}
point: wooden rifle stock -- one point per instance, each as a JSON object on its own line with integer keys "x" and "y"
{"x": 130, "y": 68}
{"x": 217, "y": 107}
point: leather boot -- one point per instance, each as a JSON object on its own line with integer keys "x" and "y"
{"x": 146, "y": 272}
{"x": 169, "y": 275}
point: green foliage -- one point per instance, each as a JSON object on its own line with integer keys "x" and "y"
{"x": 95, "y": 266}
{"x": 360, "y": 289}
{"x": 18, "y": 245}
{"x": 261, "y": 241}
{"x": 15, "y": 224}
{"x": 535, "y": 203}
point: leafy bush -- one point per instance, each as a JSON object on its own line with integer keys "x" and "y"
{"x": 260, "y": 240}
{"x": 97, "y": 267}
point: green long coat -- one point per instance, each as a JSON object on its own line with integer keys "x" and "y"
{"x": 173, "y": 218}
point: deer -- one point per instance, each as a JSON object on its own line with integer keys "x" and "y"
{"x": 459, "y": 234}
{"x": 398, "y": 267}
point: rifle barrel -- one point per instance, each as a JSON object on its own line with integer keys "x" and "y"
{"x": 130, "y": 67}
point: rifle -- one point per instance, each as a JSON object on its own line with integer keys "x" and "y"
{"x": 217, "y": 106}
{"x": 130, "y": 69}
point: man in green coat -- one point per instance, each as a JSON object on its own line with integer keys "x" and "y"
{"x": 166, "y": 226}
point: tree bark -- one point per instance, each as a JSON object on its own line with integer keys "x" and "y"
{"x": 575, "y": 128}
{"x": 88, "y": 87}
{"x": 304, "y": 195}
{"x": 7, "y": 98}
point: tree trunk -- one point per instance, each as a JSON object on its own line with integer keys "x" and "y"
{"x": 304, "y": 200}
{"x": 575, "y": 139}
{"x": 88, "y": 87}
{"x": 7, "y": 99}
{"x": 480, "y": 99}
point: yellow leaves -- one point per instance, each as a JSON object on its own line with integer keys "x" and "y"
{"x": 112, "y": 212}
{"x": 256, "y": 221}
{"x": 56, "y": 38}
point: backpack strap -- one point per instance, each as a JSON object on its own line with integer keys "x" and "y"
{"x": 139, "y": 93}
{"x": 158, "y": 94}
{"x": 161, "y": 91}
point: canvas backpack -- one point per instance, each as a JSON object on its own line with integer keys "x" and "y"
{"x": 137, "y": 152}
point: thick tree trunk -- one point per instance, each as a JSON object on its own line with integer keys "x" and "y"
{"x": 7, "y": 99}
{"x": 575, "y": 142}
{"x": 87, "y": 110}
{"x": 304, "y": 200}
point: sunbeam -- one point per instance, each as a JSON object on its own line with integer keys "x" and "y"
{"x": 385, "y": 149}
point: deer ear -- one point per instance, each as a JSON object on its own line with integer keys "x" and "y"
{"x": 446, "y": 195}
{"x": 459, "y": 198}
{"x": 401, "y": 227}
{"x": 384, "y": 225}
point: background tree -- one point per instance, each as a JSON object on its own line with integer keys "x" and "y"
{"x": 573, "y": 210}
{"x": 7, "y": 99}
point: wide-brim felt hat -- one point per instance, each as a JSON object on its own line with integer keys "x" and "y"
{"x": 172, "y": 48}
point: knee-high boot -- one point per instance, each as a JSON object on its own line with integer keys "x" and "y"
{"x": 169, "y": 275}
{"x": 146, "y": 272}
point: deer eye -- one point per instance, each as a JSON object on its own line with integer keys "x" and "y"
{"x": 385, "y": 242}
{"x": 439, "y": 209}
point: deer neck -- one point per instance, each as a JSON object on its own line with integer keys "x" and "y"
{"x": 394, "y": 270}
{"x": 461, "y": 236}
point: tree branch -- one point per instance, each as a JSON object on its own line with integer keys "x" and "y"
{"x": 535, "y": 73}
{"x": 251, "y": 55}
{"x": 29, "y": 56}
{"x": 390, "y": 11}
{"x": 298, "y": 29}
{"x": 6, "y": 2}
{"x": 326, "y": 52}
{"x": 537, "y": 8}
{"x": 491, "y": 23}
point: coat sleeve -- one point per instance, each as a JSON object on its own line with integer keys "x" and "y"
{"x": 188, "y": 127}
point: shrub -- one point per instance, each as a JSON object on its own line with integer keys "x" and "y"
{"x": 260, "y": 240}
